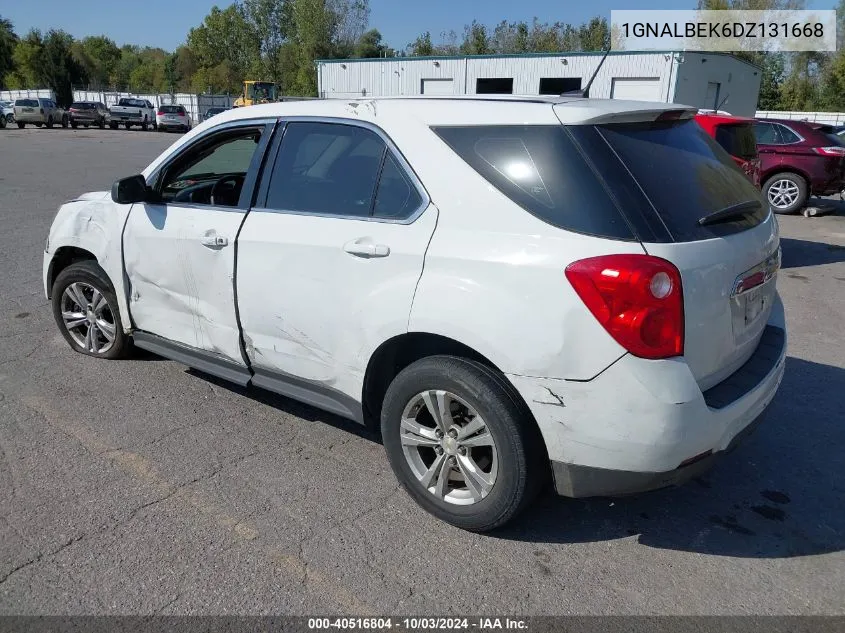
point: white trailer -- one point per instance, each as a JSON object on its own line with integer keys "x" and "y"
{"x": 703, "y": 80}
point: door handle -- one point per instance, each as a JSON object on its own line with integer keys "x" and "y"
{"x": 214, "y": 241}
{"x": 366, "y": 249}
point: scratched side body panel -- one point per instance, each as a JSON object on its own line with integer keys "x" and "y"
{"x": 93, "y": 223}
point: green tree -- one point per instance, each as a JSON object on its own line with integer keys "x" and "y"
{"x": 98, "y": 56}
{"x": 8, "y": 42}
{"x": 594, "y": 35}
{"x": 476, "y": 40}
{"x": 225, "y": 36}
{"x": 370, "y": 45}
{"x": 422, "y": 46}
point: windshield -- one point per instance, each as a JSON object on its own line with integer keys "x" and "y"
{"x": 133, "y": 103}
{"x": 261, "y": 90}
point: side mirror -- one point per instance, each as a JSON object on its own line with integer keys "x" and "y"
{"x": 129, "y": 190}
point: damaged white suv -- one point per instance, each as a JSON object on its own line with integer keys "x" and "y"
{"x": 513, "y": 289}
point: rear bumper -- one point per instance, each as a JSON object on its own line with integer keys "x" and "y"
{"x": 572, "y": 480}
{"x": 641, "y": 425}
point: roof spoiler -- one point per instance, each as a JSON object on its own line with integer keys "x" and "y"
{"x": 584, "y": 92}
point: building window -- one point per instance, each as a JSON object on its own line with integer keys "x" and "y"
{"x": 494, "y": 86}
{"x": 559, "y": 85}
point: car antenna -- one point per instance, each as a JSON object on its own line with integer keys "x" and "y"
{"x": 722, "y": 102}
{"x": 584, "y": 92}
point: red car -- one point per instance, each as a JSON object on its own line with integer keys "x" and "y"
{"x": 736, "y": 136}
{"x": 799, "y": 159}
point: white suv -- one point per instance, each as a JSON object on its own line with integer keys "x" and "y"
{"x": 511, "y": 289}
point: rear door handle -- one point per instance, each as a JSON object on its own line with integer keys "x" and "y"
{"x": 214, "y": 241}
{"x": 366, "y": 249}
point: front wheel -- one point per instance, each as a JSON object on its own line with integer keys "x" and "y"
{"x": 786, "y": 192}
{"x": 64, "y": 121}
{"x": 85, "y": 309}
{"x": 460, "y": 442}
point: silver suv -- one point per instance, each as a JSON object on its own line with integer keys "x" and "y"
{"x": 39, "y": 112}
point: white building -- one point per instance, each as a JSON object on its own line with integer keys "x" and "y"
{"x": 702, "y": 80}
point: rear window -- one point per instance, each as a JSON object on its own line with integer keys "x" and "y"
{"x": 132, "y": 103}
{"x": 172, "y": 109}
{"x": 82, "y": 105}
{"x": 685, "y": 174}
{"x": 737, "y": 139}
{"x": 541, "y": 169}
{"x": 27, "y": 103}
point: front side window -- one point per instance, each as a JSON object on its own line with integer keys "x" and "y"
{"x": 337, "y": 169}
{"x": 213, "y": 170}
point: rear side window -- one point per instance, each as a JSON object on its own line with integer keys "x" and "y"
{"x": 541, "y": 169}
{"x": 766, "y": 134}
{"x": 737, "y": 140}
{"x": 685, "y": 174}
{"x": 336, "y": 169}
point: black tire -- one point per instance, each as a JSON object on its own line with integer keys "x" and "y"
{"x": 21, "y": 125}
{"x": 155, "y": 126}
{"x": 128, "y": 126}
{"x": 144, "y": 124}
{"x": 38, "y": 124}
{"x": 787, "y": 177}
{"x": 523, "y": 466}
{"x": 113, "y": 125}
{"x": 64, "y": 121}
{"x": 2, "y": 121}
{"x": 102, "y": 124}
{"x": 49, "y": 123}
{"x": 74, "y": 124}
{"x": 90, "y": 273}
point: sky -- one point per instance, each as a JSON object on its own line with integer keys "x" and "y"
{"x": 165, "y": 23}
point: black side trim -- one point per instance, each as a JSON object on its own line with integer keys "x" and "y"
{"x": 308, "y": 392}
{"x": 207, "y": 362}
{"x": 752, "y": 373}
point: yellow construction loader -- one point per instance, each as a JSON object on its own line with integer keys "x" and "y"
{"x": 257, "y": 92}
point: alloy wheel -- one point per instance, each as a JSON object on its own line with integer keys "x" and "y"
{"x": 783, "y": 193}
{"x": 448, "y": 447}
{"x": 88, "y": 317}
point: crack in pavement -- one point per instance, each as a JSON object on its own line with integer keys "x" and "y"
{"x": 39, "y": 557}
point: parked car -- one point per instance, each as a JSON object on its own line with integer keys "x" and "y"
{"x": 7, "y": 113}
{"x": 736, "y": 136}
{"x": 510, "y": 289}
{"x": 799, "y": 159}
{"x": 173, "y": 117}
{"x": 212, "y": 112}
{"x": 39, "y": 111}
{"x": 87, "y": 113}
{"x": 131, "y": 112}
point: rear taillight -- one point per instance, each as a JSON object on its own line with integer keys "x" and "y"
{"x": 830, "y": 151}
{"x": 159, "y": 113}
{"x": 637, "y": 299}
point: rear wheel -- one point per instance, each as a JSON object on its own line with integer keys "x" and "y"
{"x": 113, "y": 125}
{"x": 21, "y": 125}
{"x": 102, "y": 124}
{"x": 127, "y": 125}
{"x": 49, "y": 122}
{"x": 64, "y": 121}
{"x": 39, "y": 125}
{"x": 460, "y": 442}
{"x": 2, "y": 121}
{"x": 85, "y": 309}
{"x": 786, "y": 192}
{"x": 74, "y": 124}
{"x": 144, "y": 124}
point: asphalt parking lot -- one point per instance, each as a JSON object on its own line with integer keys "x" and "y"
{"x": 143, "y": 487}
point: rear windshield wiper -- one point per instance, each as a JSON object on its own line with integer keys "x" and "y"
{"x": 733, "y": 212}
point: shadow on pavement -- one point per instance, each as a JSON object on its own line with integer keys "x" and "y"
{"x": 778, "y": 495}
{"x": 798, "y": 253}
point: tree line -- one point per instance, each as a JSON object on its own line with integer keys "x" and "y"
{"x": 278, "y": 40}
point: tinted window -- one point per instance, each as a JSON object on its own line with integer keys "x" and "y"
{"x": 172, "y": 109}
{"x": 326, "y": 168}
{"x": 195, "y": 172}
{"x": 787, "y": 135}
{"x": 541, "y": 169}
{"x": 27, "y": 103}
{"x": 559, "y": 85}
{"x": 685, "y": 174}
{"x": 494, "y": 86}
{"x": 396, "y": 197}
{"x": 737, "y": 140}
{"x": 82, "y": 105}
{"x": 766, "y": 134}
